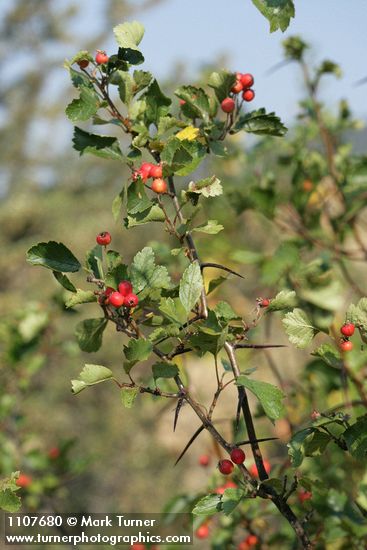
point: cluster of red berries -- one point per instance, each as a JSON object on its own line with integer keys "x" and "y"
{"x": 249, "y": 542}
{"x": 243, "y": 84}
{"x": 226, "y": 466}
{"x": 347, "y": 330}
{"x": 155, "y": 171}
{"x": 124, "y": 296}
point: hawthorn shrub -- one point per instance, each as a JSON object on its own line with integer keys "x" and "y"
{"x": 316, "y": 486}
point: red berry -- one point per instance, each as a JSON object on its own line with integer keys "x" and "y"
{"x": 202, "y": 532}
{"x": 156, "y": 171}
{"x": 304, "y": 495}
{"x": 248, "y": 95}
{"x": 104, "y": 297}
{"x": 265, "y": 302}
{"x": 247, "y": 80}
{"x": 54, "y": 453}
{"x": 228, "y": 105}
{"x": 182, "y": 102}
{"x": 238, "y": 456}
{"x": 307, "y": 186}
{"x": 131, "y": 300}
{"x": 146, "y": 168}
{"x": 346, "y": 345}
{"x": 225, "y": 467}
{"x": 204, "y": 460}
{"x": 348, "y": 329}
{"x": 315, "y": 415}
{"x": 230, "y": 485}
{"x": 83, "y": 63}
{"x": 125, "y": 288}
{"x": 237, "y": 88}
{"x": 101, "y": 57}
{"x": 159, "y": 186}
{"x": 23, "y": 481}
{"x": 116, "y": 299}
{"x": 140, "y": 174}
{"x": 104, "y": 238}
{"x": 251, "y": 540}
{"x": 267, "y": 466}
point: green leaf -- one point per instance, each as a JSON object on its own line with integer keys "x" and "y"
{"x": 278, "y": 12}
{"x": 329, "y": 354}
{"x": 196, "y": 99}
{"x": 356, "y": 439}
{"x": 285, "y": 299}
{"x": 183, "y": 156}
{"x": 91, "y": 375}
{"x": 128, "y": 396}
{"x": 270, "y": 397}
{"x": 84, "y": 107}
{"x": 212, "y": 227}
{"x": 191, "y": 286}
{"x": 173, "y": 310}
{"x": 152, "y": 214}
{"x": 94, "y": 261}
{"x": 299, "y": 328}
{"x": 89, "y": 333}
{"x": 308, "y": 442}
{"x": 357, "y": 314}
{"x": 231, "y": 499}
{"x": 260, "y": 123}
{"x": 64, "y": 281}
{"x": 211, "y": 336}
{"x": 129, "y": 34}
{"x": 316, "y": 443}
{"x": 55, "y": 256}
{"x": 137, "y": 199}
{"x": 145, "y": 273}
{"x": 101, "y": 146}
{"x": 208, "y": 187}
{"x": 9, "y": 501}
{"x": 157, "y": 104}
{"x": 142, "y": 79}
{"x": 81, "y": 297}
{"x": 164, "y": 332}
{"x": 224, "y": 312}
{"x": 117, "y": 204}
{"x": 125, "y": 84}
{"x": 137, "y": 350}
{"x": 164, "y": 370}
{"x": 208, "y": 505}
{"x": 222, "y": 83}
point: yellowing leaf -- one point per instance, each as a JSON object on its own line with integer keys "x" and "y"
{"x": 190, "y": 133}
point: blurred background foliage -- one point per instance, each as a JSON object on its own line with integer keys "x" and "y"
{"x": 113, "y": 459}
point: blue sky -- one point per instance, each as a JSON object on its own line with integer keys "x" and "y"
{"x": 200, "y": 31}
